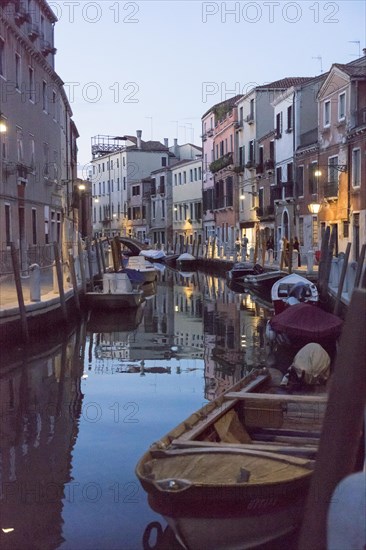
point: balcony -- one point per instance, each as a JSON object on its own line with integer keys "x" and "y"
{"x": 238, "y": 125}
{"x": 278, "y": 135}
{"x": 269, "y": 164}
{"x": 289, "y": 189}
{"x": 250, "y": 118}
{"x": 276, "y": 193}
{"x": 266, "y": 212}
{"x": 330, "y": 190}
{"x": 221, "y": 163}
{"x": 210, "y": 132}
{"x": 21, "y": 16}
{"x": 250, "y": 165}
{"x": 259, "y": 168}
{"x": 33, "y": 32}
{"x": 47, "y": 48}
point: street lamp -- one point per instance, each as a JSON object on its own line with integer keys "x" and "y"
{"x": 314, "y": 207}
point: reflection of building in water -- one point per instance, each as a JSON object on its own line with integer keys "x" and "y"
{"x": 223, "y": 356}
{"x": 40, "y": 404}
{"x": 233, "y": 335}
{"x": 188, "y": 332}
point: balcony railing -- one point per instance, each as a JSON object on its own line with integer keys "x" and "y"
{"x": 289, "y": 189}
{"x": 276, "y": 192}
{"x": 259, "y": 168}
{"x": 269, "y": 164}
{"x": 221, "y": 163}
{"x": 265, "y": 211}
{"x": 330, "y": 189}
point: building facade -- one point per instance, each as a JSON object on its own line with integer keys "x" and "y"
{"x": 38, "y": 159}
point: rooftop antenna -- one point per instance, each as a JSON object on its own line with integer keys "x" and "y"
{"x": 359, "y": 47}
{"x": 320, "y": 59}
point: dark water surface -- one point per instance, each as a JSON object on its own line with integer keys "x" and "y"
{"x": 77, "y": 412}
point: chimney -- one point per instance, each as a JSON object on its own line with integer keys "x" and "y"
{"x": 166, "y": 142}
{"x": 176, "y": 148}
{"x": 138, "y": 134}
{"x": 364, "y": 51}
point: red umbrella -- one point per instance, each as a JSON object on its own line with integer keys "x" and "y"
{"x": 307, "y": 321}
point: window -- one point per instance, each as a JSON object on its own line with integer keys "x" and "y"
{"x": 195, "y": 174}
{"x": 118, "y": 186}
{"x": 289, "y": 172}
{"x": 175, "y": 179}
{"x": 17, "y": 71}
{"x": 34, "y": 226}
{"x": 300, "y": 182}
{"x": 289, "y": 118}
{"x": 162, "y": 183}
{"x": 31, "y": 89}
{"x": 163, "y": 161}
{"x": 180, "y": 178}
{"x": 124, "y": 183}
{"x": 342, "y": 106}
{"x": 2, "y": 57}
{"x": 326, "y": 113}
{"x": 251, "y": 111}
{"x": 345, "y": 230}
{"x": 184, "y": 177}
{"x": 191, "y": 175}
{"x": 251, "y": 151}
{"x": 279, "y": 175}
{"x": 135, "y": 190}
{"x": 54, "y": 101}
{"x": 356, "y": 167}
{"x": 44, "y": 96}
{"x": 20, "y": 156}
{"x": 278, "y": 125}
{"x": 313, "y": 179}
{"x": 46, "y": 160}
{"x": 271, "y": 150}
{"x": 7, "y": 225}
{"x": 332, "y": 170}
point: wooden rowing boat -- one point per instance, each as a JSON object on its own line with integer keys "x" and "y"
{"x": 235, "y": 474}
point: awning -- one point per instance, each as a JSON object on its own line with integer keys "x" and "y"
{"x": 247, "y": 225}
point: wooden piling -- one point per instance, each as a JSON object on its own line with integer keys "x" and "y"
{"x": 97, "y": 252}
{"x": 360, "y": 263}
{"x": 74, "y": 282}
{"x": 60, "y": 280}
{"x": 102, "y": 257}
{"x": 90, "y": 264}
{"x": 19, "y": 289}
{"x": 328, "y": 264}
{"x": 341, "y": 280}
{"x": 289, "y": 253}
{"x": 342, "y": 425}
{"x": 323, "y": 256}
{"x": 82, "y": 265}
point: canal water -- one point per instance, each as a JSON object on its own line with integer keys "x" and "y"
{"x": 79, "y": 410}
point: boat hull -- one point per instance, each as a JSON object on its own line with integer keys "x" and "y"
{"x": 114, "y": 301}
{"x": 293, "y": 289}
{"x": 250, "y": 531}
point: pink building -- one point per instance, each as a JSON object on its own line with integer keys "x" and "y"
{"x": 225, "y": 194}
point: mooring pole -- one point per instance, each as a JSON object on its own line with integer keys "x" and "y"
{"x": 19, "y": 289}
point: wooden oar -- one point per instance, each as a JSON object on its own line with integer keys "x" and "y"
{"x": 342, "y": 425}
